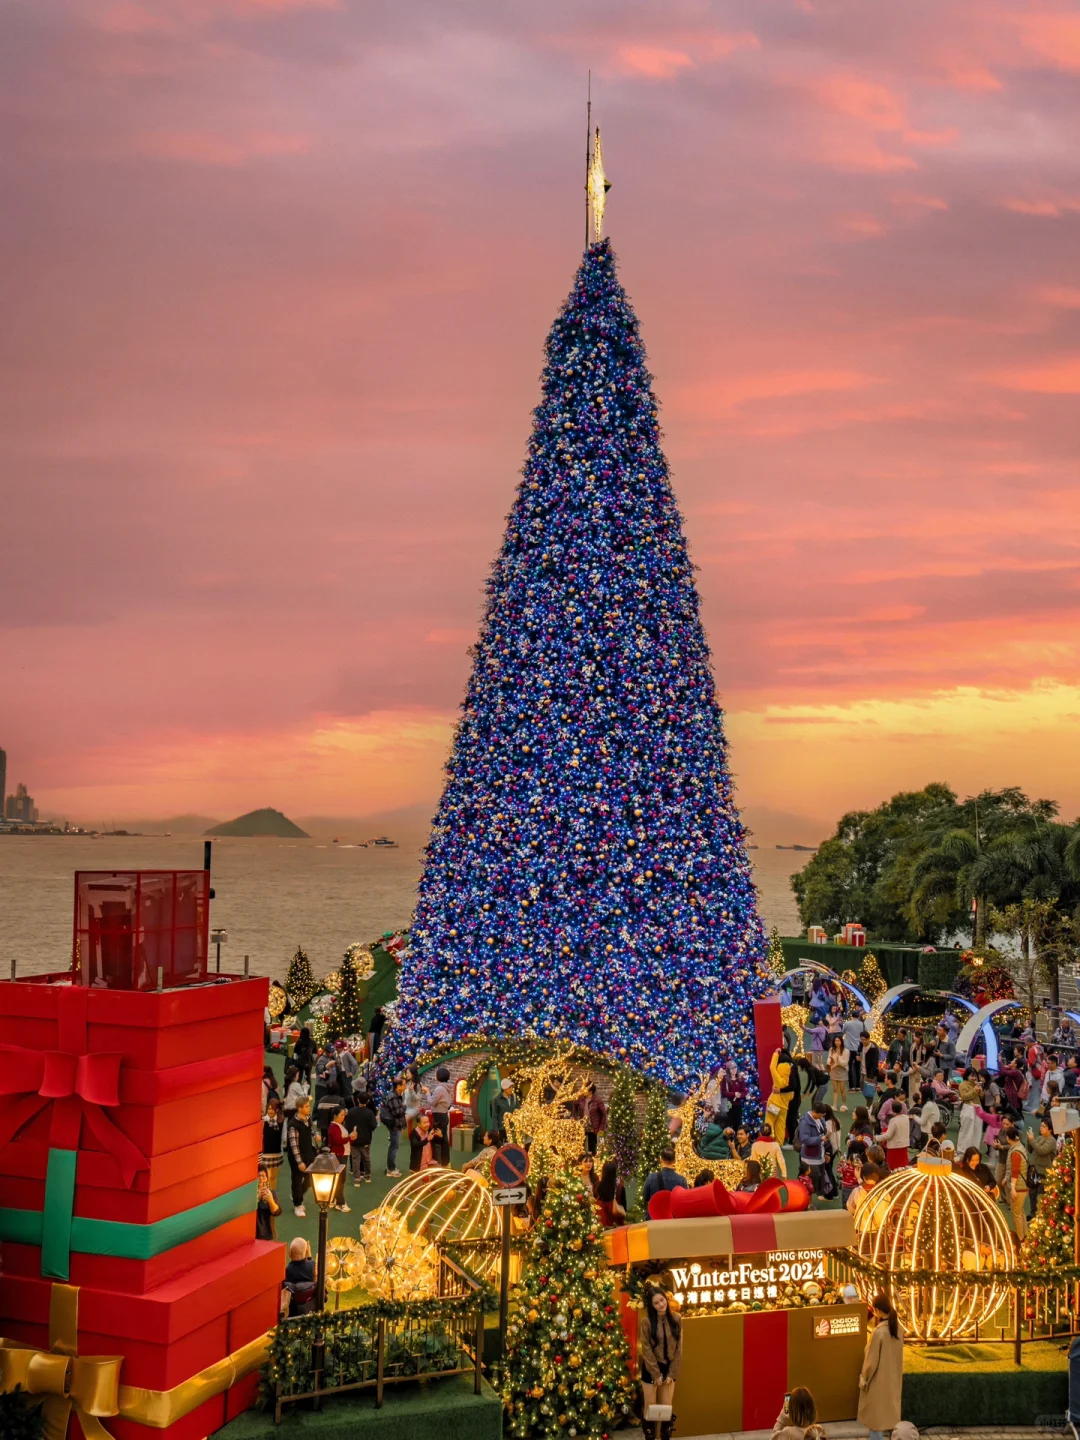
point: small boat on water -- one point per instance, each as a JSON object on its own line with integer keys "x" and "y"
{"x": 381, "y": 842}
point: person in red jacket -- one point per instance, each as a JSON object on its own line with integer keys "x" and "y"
{"x": 337, "y": 1140}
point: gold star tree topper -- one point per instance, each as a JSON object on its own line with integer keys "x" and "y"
{"x": 597, "y": 185}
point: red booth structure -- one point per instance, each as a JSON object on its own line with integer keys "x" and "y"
{"x": 132, "y": 1291}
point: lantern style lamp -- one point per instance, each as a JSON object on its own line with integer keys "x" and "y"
{"x": 324, "y": 1171}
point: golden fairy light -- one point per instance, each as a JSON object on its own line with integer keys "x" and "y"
{"x": 597, "y": 186}
{"x": 550, "y": 1088}
{"x": 687, "y": 1161}
{"x": 344, "y": 1264}
{"x": 927, "y": 1221}
{"x": 276, "y": 1002}
{"x": 795, "y": 1016}
{"x": 430, "y": 1208}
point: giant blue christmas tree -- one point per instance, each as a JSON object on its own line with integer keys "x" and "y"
{"x": 586, "y": 878}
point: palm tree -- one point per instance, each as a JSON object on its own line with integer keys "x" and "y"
{"x": 993, "y": 845}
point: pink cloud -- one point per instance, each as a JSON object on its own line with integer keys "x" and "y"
{"x": 1057, "y": 377}
{"x": 1045, "y": 208}
{"x": 217, "y": 149}
{"x": 1053, "y": 35}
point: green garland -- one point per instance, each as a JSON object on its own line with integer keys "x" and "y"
{"x": 513, "y": 1052}
{"x": 986, "y": 1279}
{"x": 350, "y": 1339}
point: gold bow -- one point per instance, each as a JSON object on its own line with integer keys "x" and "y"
{"x": 59, "y": 1379}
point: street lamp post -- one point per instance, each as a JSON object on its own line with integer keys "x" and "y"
{"x": 324, "y": 1171}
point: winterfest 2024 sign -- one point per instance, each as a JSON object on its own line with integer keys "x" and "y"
{"x": 775, "y": 1280}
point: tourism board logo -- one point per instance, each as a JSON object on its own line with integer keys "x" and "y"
{"x": 829, "y": 1327}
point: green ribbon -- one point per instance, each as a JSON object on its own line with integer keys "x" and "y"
{"x": 57, "y": 1217}
{"x": 113, "y": 1237}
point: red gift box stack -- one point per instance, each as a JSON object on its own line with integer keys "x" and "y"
{"x": 157, "y": 1231}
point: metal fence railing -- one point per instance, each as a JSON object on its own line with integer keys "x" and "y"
{"x": 1017, "y": 1308}
{"x": 385, "y": 1343}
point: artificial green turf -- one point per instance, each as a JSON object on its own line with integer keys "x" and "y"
{"x": 446, "y": 1409}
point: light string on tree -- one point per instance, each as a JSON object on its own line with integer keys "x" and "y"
{"x": 587, "y": 876}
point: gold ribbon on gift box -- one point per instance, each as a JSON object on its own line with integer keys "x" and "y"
{"x": 60, "y": 1380}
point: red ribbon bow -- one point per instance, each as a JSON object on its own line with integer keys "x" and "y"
{"x": 76, "y": 1084}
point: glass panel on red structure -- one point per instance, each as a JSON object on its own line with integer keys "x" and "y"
{"x": 131, "y": 925}
{"x": 191, "y": 920}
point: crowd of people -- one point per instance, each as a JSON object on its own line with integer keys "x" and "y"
{"x": 914, "y": 1094}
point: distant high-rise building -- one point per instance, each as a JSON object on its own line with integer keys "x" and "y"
{"x": 3, "y": 779}
{"x": 20, "y": 806}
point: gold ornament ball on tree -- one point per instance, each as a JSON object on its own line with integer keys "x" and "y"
{"x": 921, "y": 1225}
{"x": 434, "y": 1206}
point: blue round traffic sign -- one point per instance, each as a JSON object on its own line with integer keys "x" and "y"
{"x": 510, "y": 1165}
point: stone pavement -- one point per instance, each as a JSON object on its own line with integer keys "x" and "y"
{"x": 848, "y": 1430}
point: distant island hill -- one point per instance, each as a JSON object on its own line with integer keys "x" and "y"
{"x": 261, "y": 823}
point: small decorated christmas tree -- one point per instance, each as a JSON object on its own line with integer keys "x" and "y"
{"x": 1051, "y": 1235}
{"x": 774, "y": 959}
{"x": 300, "y": 983}
{"x": 621, "y": 1135}
{"x": 566, "y": 1370}
{"x": 655, "y": 1135}
{"x": 871, "y": 981}
{"x": 347, "y": 1017}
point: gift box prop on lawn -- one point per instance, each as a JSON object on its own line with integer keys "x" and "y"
{"x": 133, "y": 1297}
{"x": 754, "y": 1288}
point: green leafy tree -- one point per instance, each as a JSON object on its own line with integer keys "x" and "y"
{"x": 621, "y": 1133}
{"x": 962, "y": 862}
{"x": 1050, "y": 1236}
{"x": 300, "y": 984}
{"x": 1048, "y": 941}
{"x": 347, "y": 1016}
{"x": 566, "y": 1370}
{"x": 860, "y": 873}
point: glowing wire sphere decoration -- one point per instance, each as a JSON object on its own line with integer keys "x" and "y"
{"x": 929, "y": 1219}
{"x": 401, "y": 1238}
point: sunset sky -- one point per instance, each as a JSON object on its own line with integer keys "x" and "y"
{"x": 276, "y": 275}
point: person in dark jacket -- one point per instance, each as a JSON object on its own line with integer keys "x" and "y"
{"x": 303, "y": 1054}
{"x": 301, "y": 1152}
{"x": 377, "y": 1025}
{"x": 423, "y": 1145}
{"x": 666, "y": 1178}
{"x": 361, "y": 1122}
{"x": 301, "y": 1267}
{"x": 392, "y": 1115}
{"x": 505, "y": 1103}
{"x": 267, "y": 1210}
{"x": 596, "y": 1116}
{"x": 270, "y": 1159}
{"x": 798, "y": 1089}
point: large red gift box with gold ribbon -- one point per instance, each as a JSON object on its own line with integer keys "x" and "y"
{"x": 133, "y": 1290}
{"x": 171, "y": 1338}
{"x": 131, "y": 1128}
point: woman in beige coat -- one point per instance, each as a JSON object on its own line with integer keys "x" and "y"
{"x": 882, "y": 1378}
